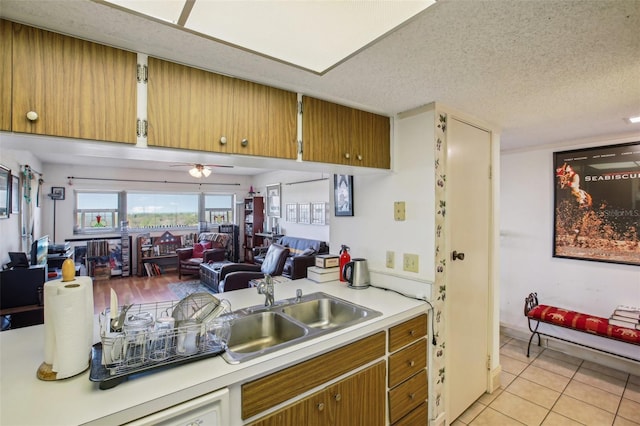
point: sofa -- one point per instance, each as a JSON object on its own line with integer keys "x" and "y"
{"x": 211, "y": 247}
{"x": 302, "y": 254}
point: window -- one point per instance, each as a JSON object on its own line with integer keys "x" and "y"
{"x": 152, "y": 210}
{"x": 97, "y": 211}
{"x": 218, "y": 208}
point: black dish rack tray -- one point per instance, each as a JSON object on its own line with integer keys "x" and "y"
{"x": 100, "y": 373}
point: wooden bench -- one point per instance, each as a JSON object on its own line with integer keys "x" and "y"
{"x": 590, "y": 324}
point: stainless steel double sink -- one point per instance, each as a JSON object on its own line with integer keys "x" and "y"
{"x": 259, "y": 330}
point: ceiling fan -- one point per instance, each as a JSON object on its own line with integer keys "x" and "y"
{"x": 198, "y": 170}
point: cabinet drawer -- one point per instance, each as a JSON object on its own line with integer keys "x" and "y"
{"x": 405, "y": 333}
{"x": 407, "y": 396}
{"x": 407, "y": 362}
{"x": 416, "y": 417}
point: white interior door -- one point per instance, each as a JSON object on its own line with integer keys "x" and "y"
{"x": 467, "y": 300}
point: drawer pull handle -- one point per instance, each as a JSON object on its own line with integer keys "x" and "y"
{"x": 338, "y": 397}
{"x": 412, "y": 363}
{"x": 412, "y": 396}
{"x": 320, "y": 406}
{"x": 412, "y": 332}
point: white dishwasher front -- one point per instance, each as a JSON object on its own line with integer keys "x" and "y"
{"x": 211, "y": 409}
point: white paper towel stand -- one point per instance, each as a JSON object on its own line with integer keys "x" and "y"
{"x": 45, "y": 371}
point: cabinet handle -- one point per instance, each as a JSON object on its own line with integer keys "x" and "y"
{"x": 244, "y": 142}
{"x": 412, "y": 396}
{"x": 412, "y": 332}
{"x": 359, "y": 157}
{"x": 32, "y": 116}
{"x": 223, "y": 140}
{"x": 412, "y": 363}
{"x": 321, "y": 406}
{"x": 338, "y": 397}
{"x": 347, "y": 155}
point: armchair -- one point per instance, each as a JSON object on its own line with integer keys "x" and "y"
{"x": 211, "y": 248}
{"x": 235, "y": 276}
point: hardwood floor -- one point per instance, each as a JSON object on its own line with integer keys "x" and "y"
{"x": 135, "y": 289}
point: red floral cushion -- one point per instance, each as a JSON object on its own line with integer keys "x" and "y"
{"x": 199, "y": 248}
{"x": 583, "y": 322}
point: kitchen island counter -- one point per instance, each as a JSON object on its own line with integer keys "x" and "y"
{"x": 25, "y": 400}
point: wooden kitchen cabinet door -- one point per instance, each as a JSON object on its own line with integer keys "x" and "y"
{"x": 310, "y": 411}
{"x": 283, "y": 124}
{"x": 250, "y": 118}
{"x": 78, "y": 89}
{"x": 338, "y": 134}
{"x": 6, "y": 40}
{"x": 188, "y": 108}
{"x": 359, "y": 399}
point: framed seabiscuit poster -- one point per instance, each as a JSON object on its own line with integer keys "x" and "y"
{"x": 597, "y": 204}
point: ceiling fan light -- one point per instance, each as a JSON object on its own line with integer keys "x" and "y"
{"x": 206, "y": 171}
{"x": 195, "y": 172}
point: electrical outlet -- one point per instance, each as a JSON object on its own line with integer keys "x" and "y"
{"x": 399, "y": 210}
{"x": 410, "y": 262}
{"x": 391, "y": 260}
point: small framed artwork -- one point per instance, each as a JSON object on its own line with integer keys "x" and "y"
{"x": 15, "y": 194}
{"x": 318, "y": 213}
{"x": 304, "y": 213}
{"x": 273, "y": 200}
{"x": 343, "y": 194}
{"x": 292, "y": 213}
{"x": 5, "y": 192}
{"x": 57, "y": 193}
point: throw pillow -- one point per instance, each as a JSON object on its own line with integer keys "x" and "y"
{"x": 199, "y": 248}
{"x": 308, "y": 252}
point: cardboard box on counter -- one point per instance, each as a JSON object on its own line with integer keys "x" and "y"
{"x": 323, "y": 275}
{"x": 327, "y": 260}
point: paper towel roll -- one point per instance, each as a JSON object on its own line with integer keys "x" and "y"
{"x": 68, "y": 323}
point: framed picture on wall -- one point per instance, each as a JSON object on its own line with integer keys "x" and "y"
{"x": 597, "y": 203}
{"x": 15, "y": 194}
{"x": 273, "y": 200}
{"x": 292, "y": 213}
{"x": 57, "y": 193}
{"x": 5, "y": 192}
{"x": 343, "y": 194}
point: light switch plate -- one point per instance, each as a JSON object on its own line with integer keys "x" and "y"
{"x": 410, "y": 262}
{"x": 391, "y": 260}
{"x": 399, "y": 210}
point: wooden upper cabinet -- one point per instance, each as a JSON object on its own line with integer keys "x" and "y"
{"x": 77, "y": 88}
{"x": 333, "y": 133}
{"x": 194, "y": 109}
{"x": 6, "y": 40}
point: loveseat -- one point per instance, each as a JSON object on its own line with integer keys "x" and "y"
{"x": 211, "y": 247}
{"x": 302, "y": 254}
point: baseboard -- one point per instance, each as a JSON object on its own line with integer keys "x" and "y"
{"x": 438, "y": 421}
{"x": 587, "y": 354}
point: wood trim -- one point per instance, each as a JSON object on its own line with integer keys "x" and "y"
{"x": 268, "y": 391}
{"x": 405, "y": 333}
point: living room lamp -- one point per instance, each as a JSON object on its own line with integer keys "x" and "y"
{"x": 199, "y": 170}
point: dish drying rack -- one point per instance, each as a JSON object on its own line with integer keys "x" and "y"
{"x": 196, "y": 335}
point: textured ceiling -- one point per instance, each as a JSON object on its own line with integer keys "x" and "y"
{"x": 544, "y": 71}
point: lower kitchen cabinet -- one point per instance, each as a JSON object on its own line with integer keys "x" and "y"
{"x": 356, "y": 400}
{"x": 407, "y": 372}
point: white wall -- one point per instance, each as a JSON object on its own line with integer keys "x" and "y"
{"x": 10, "y": 229}
{"x": 526, "y": 245}
{"x": 296, "y": 189}
{"x": 372, "y": 231}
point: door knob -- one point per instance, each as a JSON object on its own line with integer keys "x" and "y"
{"x": 457, "y": 256}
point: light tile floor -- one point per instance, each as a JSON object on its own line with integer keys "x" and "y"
{"x": 553, "y": 389}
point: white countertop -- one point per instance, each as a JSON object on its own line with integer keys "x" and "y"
{"x": 25, "y": 400}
